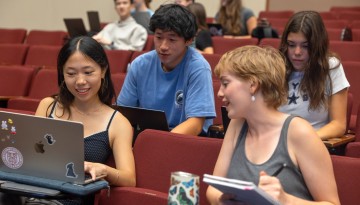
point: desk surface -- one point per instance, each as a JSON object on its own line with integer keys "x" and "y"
{"x": 335, "y": 142}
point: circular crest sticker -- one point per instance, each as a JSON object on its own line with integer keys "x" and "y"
{"x": 12, "y": 157}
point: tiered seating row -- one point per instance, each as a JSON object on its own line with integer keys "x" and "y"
{"x": 335, "y": 20}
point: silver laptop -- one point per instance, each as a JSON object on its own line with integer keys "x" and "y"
{"x": 42, "y": 147}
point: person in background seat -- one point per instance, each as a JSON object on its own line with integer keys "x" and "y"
{"x": 174, "y": 77}
{"x": 124, "y": 34}
{"x": 316, "y": 82}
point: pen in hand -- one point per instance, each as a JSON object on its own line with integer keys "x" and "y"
{"x": 279, "y": 170}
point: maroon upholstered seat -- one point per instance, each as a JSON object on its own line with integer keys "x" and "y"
{"x": 15, "y": 80}
{"x": 157, "y": 154}
{"x": 13, "y": 54}
{"x": 118, "y": 60}
{"x": 50, "y": 38}
{"x": 222, "y": 45}
{"x": 286, "y": 14}
{"x": 42, "y": 56}
{"x": 44, "y": 84}
{"x": 12, "y": 35}
{"x": 347, "y": 176}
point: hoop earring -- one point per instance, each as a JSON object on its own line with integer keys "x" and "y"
{"x": 253, "y": 98}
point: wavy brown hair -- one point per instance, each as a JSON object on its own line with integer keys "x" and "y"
{"x": 316, "y": 73}
{"x": 200, "y": 13}
{"x": 230, "y": 18}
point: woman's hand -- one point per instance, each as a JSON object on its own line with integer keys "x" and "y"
{"x": 95, "y": 169}
{"x": 101, "y": 40}
{"x": 272, "y": 186}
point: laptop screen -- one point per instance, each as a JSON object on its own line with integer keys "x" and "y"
{"x": 75, "y": 27}
{"x": 94, "y": 21}
{"x": 215, "y": 29}
{"x": 142, "y": 118}
{"x": 225, "y": 118}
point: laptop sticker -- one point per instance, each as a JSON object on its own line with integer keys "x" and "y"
{"x": 13, "y": 130}
{"x": 12, "y": 157}
{"x": 70, "y": 171}
{"x": 49, "y": 139}
{"x": 4, "y": 125}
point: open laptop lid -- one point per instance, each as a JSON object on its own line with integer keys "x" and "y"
{"x": 42, "y": 147}
{"x": 215, "y": 29}
{"x": 75, "y": 27}
{"x": 225, "y": 118}
{"x": 142, "y": 118}
{"x": 94, "y": 21}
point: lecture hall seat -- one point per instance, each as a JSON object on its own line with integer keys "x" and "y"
{"x": 335, "y": 23}
{"x": 349, "y": 15}
{"x": 328, "y": 15}
{"x": 347, "y": 176}
{"x": 149, "y": 45}
{"x": 118, "y": 81}
{"x": 278, "y": 24}
{"x": 13, "y": 54}
{"x": 15, "y": 36}
{"x": 352, "y": 72}
{"x": 222, "y": 45}
{"x": 356, "y": 34}
{"x": 272, "y": 42}
{"x": 337, "y": 9}
{"x": 42, "y": 56}
{"x": 213, "y": 60}
{"x": 285, "y": 14}
{"x": 15, "y": 80}
{"x": 334, "y": 34}
{"x": 43, "y": 84}
{"x": 355, "y": 24}
{"x": 50, "y": 38}
{"x": 118, "y": 60}
{"x": 157, "y": 154}
{"x": 348, "y": 50}
{"x": 352, "y": 149}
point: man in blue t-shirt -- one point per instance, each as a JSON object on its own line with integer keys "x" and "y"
{"x": 174, "y": 77}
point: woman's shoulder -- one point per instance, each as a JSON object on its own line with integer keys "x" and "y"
{"x": 300, "y": 129}
{"x": 117, "y": 117}
{"x": 334, "y": 62}
{"x": 44, "y": 105}
{"x": 246, "y": 12}
{"x": 46, "y": 101}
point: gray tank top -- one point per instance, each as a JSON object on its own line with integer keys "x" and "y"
{"x": 291, "y": 178}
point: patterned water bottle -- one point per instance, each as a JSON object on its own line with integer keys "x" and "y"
{"x": 184, "y": 189}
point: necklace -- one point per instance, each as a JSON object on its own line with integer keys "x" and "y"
{"x": 88, "y": 113}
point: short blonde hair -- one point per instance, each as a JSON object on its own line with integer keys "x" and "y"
{"x": 263, "y": 65}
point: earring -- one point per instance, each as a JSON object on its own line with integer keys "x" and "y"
{"x": 253, "y": 98}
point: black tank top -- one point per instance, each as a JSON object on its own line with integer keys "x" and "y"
{"x": 96, "y": 146}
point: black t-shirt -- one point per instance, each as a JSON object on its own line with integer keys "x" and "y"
{"x": 203, "y": 40}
